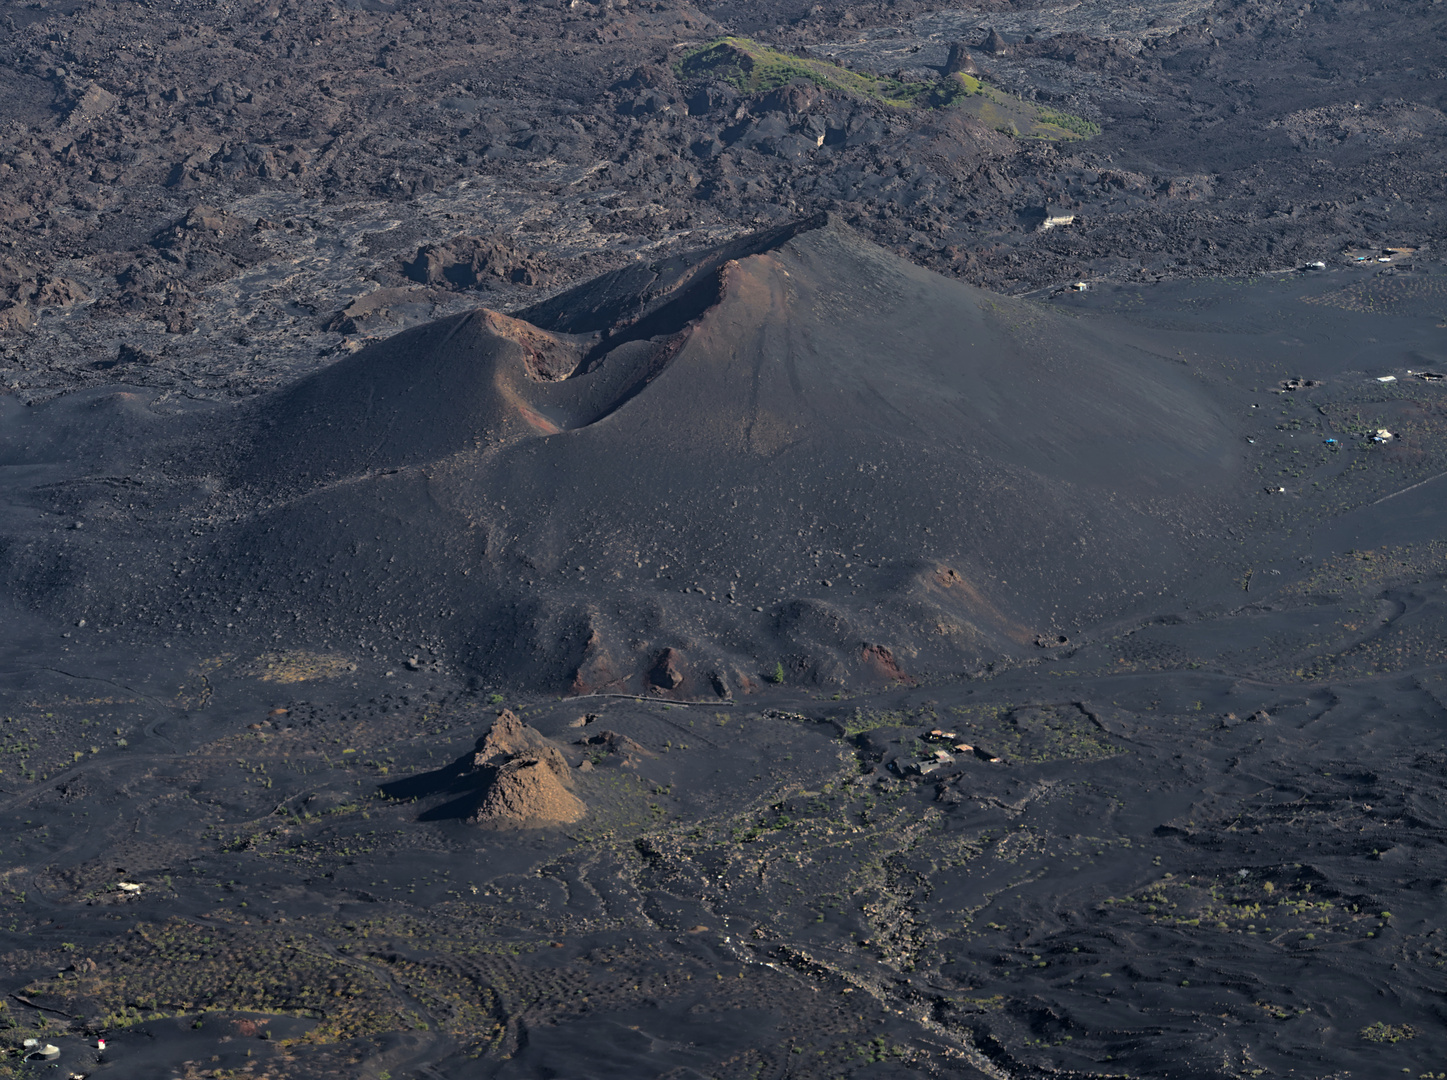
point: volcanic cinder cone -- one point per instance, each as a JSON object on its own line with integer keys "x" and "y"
{"x": 529, "y": 782}
{"x": 796, "y": 446}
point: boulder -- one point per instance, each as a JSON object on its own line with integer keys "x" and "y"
{"x": 666, "y": 673}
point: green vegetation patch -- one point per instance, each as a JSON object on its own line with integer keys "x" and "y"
{"x": 1387, "y": 1033}
{"x": 1287, "y": 913}
{"x": 753, "y": 68}
{"x": 1076, "y": 125}
{"x": 860, "y": 721}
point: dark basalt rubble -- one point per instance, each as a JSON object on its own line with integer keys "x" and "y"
{"x": 556, "y": 144}
{"x": 468, "y": 262}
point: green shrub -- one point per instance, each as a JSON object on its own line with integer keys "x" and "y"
{"x": 1076, "y": 125}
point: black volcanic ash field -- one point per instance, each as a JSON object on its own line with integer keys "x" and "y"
{"x": 1017, "y": 688}
{"x": 732, "y": 540}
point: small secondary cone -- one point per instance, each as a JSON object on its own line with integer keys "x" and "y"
{"x": 994, "y": 44}
{"x": 528, "y": 794}
{"x": 530, "y": 789}
{"x": 960, "y": 60}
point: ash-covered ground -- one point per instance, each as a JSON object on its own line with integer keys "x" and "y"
{"x": 733, "y": 540}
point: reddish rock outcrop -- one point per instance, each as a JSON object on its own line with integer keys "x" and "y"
{"x": 881, "y": 660}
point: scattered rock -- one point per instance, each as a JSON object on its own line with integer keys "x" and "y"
{"x": 58, "y": 292}
{"x": 381, "y": 308}
{"x": 26, "y": 297}
{"x": 471, "y": 262}
{"x": 615, "y": 743}
{"x": 95, "y": 101}
{"x": 204, "y": 220}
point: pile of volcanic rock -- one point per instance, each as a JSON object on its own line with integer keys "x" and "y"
{"x": 474, "y": 262}
{"x": 529, "y": 786}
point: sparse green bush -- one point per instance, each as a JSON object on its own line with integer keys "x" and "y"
{"x": 1076, "y": 125}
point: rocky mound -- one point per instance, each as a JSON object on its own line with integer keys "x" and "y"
{"x": 530, "y": 781}
{"x": 527, "y": 794}
{"x": 510, "y": 738}
{"x": 959, "y": 60}
{"x": 472, "y": 262}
